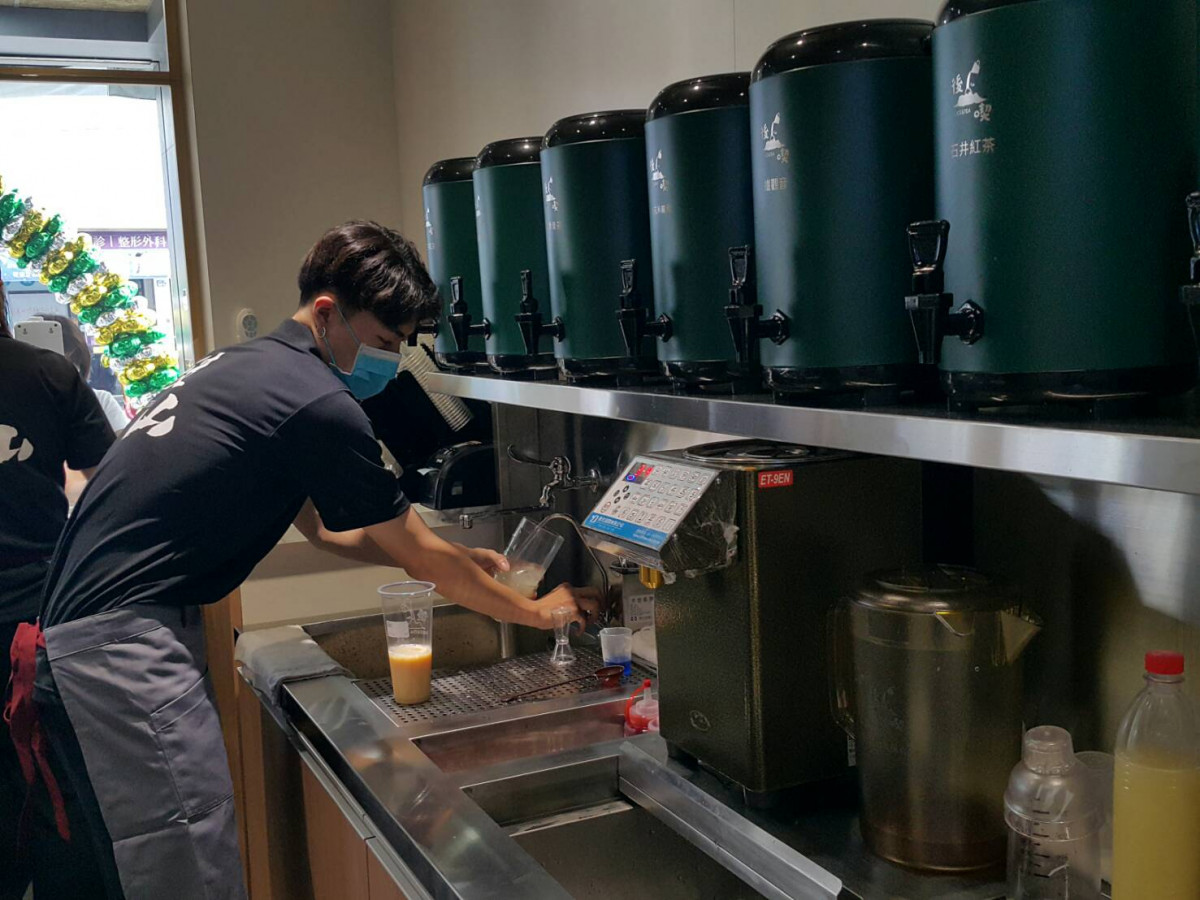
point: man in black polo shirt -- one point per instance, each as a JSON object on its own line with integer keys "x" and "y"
{"x": 200, "y": 487}
{"x": 48, "y": 418}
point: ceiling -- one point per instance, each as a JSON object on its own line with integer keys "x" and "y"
{"x": 108, "y": 5}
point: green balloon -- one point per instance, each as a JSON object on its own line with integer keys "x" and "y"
{"x": 162, "y": 378}
{"x": 10, "y": 207}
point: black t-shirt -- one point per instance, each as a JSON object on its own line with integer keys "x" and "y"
{"x": 48, "y": 416}
{"x": 208, "y": 478}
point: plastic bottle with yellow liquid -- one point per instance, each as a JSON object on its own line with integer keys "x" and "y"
{"x": 1156, "y": 790}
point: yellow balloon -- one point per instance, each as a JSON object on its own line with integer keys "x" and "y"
{"x": 90, "y": 295}
{"x": 55, "y": 264}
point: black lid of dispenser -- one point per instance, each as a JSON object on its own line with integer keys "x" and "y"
{"x": 956, "y": 9}
{"x": 706, "y": 92}
{"x": 845, "y": 42}
{"x": 510, "y": 152}
{"x": 612, "y": 125}
{"x": 457, "y": 169}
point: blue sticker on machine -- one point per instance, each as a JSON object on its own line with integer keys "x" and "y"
{"x": 628, "y": 531}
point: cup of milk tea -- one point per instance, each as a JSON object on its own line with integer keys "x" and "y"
{"x": 530, "y": 552}
{"x": 408, "y": 618}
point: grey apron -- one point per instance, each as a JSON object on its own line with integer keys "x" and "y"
{"x": 135, "y": 686}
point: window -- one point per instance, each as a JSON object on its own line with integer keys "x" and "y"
{"x": 89, "y": 123}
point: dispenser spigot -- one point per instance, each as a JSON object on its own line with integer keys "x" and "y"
{"x": 429, "y": 326}
{"x": 529, "y": 320}
{"x": 633, "y": 317}
{"x": 746, "y": 325}
{"x": 460, "y": 318}
{"x": 929, "y": 304}
{"x": 1190, "y": 293}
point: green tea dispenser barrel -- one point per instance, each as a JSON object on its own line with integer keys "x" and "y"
{"x": 698, "y": 166}
{"x": 512, "y": 241}
{"x": 597, "y": 223}
{"x": 454, "y": 260}
{"x": 1066, "y": 142}
{"x": 842, "y": 152}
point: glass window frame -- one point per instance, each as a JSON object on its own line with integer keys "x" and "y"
{"x": 193, "y": 334}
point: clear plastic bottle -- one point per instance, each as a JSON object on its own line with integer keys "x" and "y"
{"x": 1156, "y": 791}
{"x": 1054, "y": 818}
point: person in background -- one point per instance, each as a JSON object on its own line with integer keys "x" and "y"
{"x": 49, "y": 420}
{"x": 77, "y": 350}
{"x": 201, "y": 486}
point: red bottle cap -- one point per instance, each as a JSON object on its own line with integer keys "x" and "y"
{"x": 1164, "y": 662}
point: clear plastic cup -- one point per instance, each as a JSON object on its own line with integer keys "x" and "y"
{"x": 616, "y": 646}
{"x": 1100, "y": 767}
{"x": 529, "y": 554}
{"x": 408, "y": 619}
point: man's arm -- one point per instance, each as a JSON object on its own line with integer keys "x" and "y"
{"x": 353, "y": 544}
{"x": 414, "y": 547}
{"x": 356, "y": 544}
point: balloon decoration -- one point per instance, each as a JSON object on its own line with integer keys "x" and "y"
{"x": 108, "y": 308}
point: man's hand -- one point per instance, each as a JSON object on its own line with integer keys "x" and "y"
{"x": 491, "y": 561}
{"x": 585, "y": 602}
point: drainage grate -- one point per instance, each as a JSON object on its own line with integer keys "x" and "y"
{"x": 458, "y": 691}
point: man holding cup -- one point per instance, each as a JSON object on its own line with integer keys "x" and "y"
{"x": 200, "y": 487}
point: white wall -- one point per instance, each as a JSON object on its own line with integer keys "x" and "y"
{"x": 473, "y": 71}
{"x": 295, "y": 129}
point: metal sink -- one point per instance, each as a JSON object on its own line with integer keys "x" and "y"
{"x": 538, "y": 734}
{"x": 460, "y": 638}
{"x": 597, "y": 843}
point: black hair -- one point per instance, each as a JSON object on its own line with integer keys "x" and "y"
{"x": 4, "y": 329}
{"x": 75, "y": 345}
{"x": 370, "y": 267}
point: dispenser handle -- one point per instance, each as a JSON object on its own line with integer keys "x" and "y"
{"x": 629, "y": 297}
{"x": 838, "y": 640}
{"x": 457, "y": 304}
{"x": 739, "y": 269}
{"x": 528, "y": 301}
{"x": 927, "y": 243}
{"x": 1193, "y": 214}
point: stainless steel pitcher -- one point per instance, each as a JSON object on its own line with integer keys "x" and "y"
{"x": 928, "y": 681}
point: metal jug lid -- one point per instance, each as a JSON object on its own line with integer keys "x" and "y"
{"x": 759, "y": 453}
{"x": 460, "y": 168}
{"x": 932, "y": 589}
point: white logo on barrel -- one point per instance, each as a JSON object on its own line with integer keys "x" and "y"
{"x": 968, "y": 99}
{"x": 773, "y": 144}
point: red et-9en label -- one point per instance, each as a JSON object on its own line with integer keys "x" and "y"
{"x": 784, "y": 478}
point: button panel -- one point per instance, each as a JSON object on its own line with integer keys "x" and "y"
{"x": 648, "y": 502}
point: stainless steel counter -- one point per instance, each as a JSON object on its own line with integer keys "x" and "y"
{"x": 1161, "y": 453}
{"x": 548, "y": 799}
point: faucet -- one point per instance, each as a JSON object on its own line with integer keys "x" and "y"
{"x": 561, "y": 479}
{"x": 604, "y": 607}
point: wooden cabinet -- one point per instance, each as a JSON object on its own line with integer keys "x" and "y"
{"x": 337, "y": 846}
{"x": 382, "y": 882}
{"x": 305, "y": 838}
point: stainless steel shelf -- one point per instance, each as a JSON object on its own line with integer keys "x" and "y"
{"x": 1159, "y": 453}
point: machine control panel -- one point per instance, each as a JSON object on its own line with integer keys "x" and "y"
{"x": 649, "y": 501}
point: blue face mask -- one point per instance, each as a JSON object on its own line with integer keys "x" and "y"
{"x": 372, "y": 369}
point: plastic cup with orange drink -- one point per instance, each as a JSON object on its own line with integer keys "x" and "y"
{"x": 408, "y": 618}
